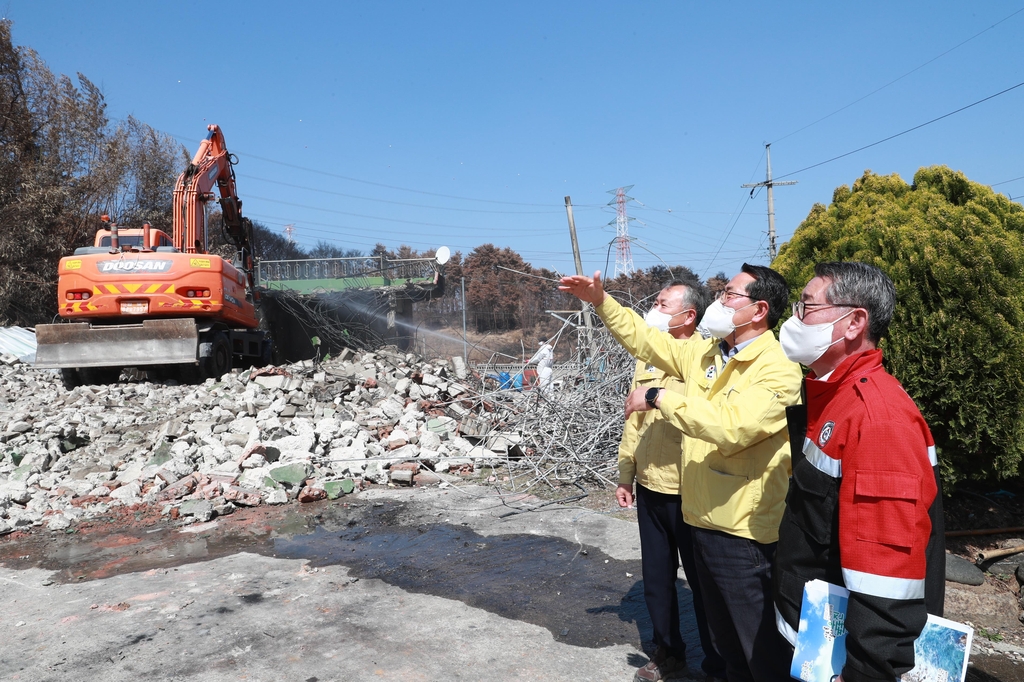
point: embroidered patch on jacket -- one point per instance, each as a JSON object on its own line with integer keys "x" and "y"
{"x": 710, "y": 373}
{"x": 826, "y": 433}
{"x": 650, "y": 369}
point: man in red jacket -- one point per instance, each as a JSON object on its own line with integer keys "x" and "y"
{"x": 864, "y": 508}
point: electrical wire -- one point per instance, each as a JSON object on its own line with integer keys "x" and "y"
{"x": 896, "y": 80}
{"x": 908, "y": 130}
{"x": 348, "y": 178}
{"x": 1004, "y": 182}
{"x": 726, "y": 237}
{"x": 390, "y": 220}
{"x": 399, "y": 203}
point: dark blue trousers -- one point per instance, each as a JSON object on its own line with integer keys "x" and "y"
{"x": 664, "y": 540}
{"x": 736, "y": 580}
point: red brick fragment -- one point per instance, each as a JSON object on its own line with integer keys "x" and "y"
{"x": 310, "y": 494}
{"x": 178, "y": 489}
{"x": 243, "y": 497}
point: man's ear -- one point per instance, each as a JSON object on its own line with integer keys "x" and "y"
{"x": 761, "y": 312}
{"x": 858, "y": 324}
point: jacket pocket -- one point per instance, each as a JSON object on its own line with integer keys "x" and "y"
{"x": 885, "y": 505}
{"x": 812, "y": 500}
{"x": 728, "y": 497}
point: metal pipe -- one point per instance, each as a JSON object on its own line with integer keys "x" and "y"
{"x": 114, "y": 245}
{"x": 146, "y": 242}
{"x": 996, "y": 553}
{"x": 984, "y": 531}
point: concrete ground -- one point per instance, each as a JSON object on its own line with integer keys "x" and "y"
{"x": 461, "y": 593}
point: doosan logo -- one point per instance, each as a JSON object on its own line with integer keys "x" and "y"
{"x": 134, "y": 265}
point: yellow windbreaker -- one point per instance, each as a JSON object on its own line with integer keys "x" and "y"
{"x": 736, "y": 462}
{"x": 651, "y": 449}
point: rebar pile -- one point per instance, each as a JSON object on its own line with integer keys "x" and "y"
{"x": 569, "y": 431}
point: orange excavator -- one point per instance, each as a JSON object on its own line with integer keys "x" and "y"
{"x": 162, "y": 303}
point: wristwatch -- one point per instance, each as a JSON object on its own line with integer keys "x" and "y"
{"x": 652, "y": 397}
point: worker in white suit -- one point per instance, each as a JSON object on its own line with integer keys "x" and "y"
{"x": 545, "y": 360}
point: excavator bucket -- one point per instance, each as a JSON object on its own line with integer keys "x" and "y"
{"x": 154, "y": 342}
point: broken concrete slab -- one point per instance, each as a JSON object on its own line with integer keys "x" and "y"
{"x": 336, "y": 489}
{"x": 202, "y": 510}
{"x": 292, "y": 474}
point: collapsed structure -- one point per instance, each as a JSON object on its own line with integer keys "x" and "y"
{"x": 302, "y": 432}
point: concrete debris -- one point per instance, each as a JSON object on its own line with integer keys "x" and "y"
{"x": 273, "y": 435}
{"x": 302, "y": 432}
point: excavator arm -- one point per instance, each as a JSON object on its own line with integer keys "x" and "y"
{"x": 211, "y": 165}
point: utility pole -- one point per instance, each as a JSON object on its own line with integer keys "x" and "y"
{"x": 465, "y": 350}
{"x": 769, "y": 183}
{"x": 579, "y": 271}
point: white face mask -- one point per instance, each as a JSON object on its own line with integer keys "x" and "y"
{"x": 805, "y": 343}
{"x": 660, "y": 321}
{"x": 718, "y": 319}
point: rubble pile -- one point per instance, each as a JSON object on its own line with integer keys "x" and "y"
{"x": 303, "y": 432}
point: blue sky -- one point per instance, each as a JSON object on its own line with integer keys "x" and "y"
{"x": 466, "y": 123}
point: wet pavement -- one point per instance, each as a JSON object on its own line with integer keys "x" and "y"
{"x": 582, "y": 596}
{"x": 572, "y": 573}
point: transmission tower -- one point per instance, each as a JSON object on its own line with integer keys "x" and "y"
{"x": 623, "y": 254}
{"x": 769, "y": 183}
{"x": 289, "y": 230}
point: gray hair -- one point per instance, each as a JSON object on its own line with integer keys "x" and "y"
{"x": 697, "y": 295}
{"x": 864, "y": 286}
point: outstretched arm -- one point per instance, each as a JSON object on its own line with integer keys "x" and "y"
{"x": 589, "y": 289}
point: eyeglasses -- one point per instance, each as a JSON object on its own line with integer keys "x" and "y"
{"x": 725, "y": 296}
{"x": 800, "y": 308}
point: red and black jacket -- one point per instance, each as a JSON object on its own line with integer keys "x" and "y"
{"x": 864, "y": 510}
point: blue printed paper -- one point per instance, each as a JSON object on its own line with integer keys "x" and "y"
{"x": 940, "y": 652}
{"x": 821, "y": 638}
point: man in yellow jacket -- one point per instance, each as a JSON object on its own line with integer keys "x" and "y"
{"x": 736, "y": 460}
{"x": 651, "y": 455}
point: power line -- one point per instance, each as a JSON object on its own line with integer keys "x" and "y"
{"x": 740, "y": 208}
{"x": 996, "y": 184}
{"x": 247, "y": 155}
{"x": 908, "y": 130}
{"x": 390, "y": 220}
{"x": 396, "y": 203}
{"x": 725, "y": 238}
{"x": 896, "y": 80}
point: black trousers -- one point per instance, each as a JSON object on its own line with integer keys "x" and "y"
{"x": 664, "y": 540}
{"x": 736, "y": 579}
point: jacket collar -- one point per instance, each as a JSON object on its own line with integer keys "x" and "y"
{"x": 749, "y": 352}
{"x": 849, "y": 369}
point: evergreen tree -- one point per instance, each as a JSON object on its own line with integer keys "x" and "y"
{"x": 954, "y": 250}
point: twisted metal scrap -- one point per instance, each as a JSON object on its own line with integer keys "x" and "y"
{"x": 569, "y": 432}
{"x": 320, "y": 314}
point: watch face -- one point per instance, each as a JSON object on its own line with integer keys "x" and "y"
{"x": 652, "y": 395}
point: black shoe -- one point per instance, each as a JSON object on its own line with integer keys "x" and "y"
{"x": 662, "y": 666}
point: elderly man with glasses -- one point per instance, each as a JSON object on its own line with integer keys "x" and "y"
{"x": 736, "y": 457}
{"x": 865, "y": 505}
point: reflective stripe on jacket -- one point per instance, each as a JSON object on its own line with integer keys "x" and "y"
{"x": 865, "y": 511}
